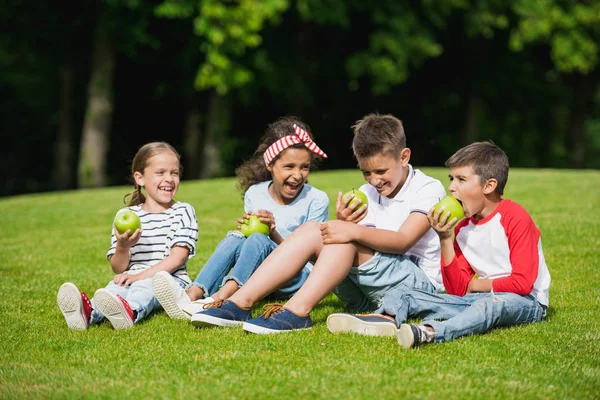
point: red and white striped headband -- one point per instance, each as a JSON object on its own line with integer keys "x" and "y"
{"x": 287, "y": 141}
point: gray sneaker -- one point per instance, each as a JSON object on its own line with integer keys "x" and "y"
{"x": 363, "y": 324}
{"x": 413, "y": 335}
{"x": 170, "y": 295}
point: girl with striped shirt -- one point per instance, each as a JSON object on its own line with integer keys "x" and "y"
{"x": 165, "y": 242}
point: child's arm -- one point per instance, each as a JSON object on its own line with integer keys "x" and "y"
{"x": 382, "y": 240}
{"x": 119, "y": 261}
{"x": 171, "y": 263}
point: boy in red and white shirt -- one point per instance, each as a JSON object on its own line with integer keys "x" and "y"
{"x": 498, "y": 242}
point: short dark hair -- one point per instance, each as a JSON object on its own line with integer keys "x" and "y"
{"x": 487, "y": 160}
{"x": 376, "y": 134}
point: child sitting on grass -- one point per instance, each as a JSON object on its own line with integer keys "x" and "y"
{"x": 276, "y": 189}
{"x": 392, "y": 246}
{"x": 165, "y": 242}
{"x": 498, "y": 241}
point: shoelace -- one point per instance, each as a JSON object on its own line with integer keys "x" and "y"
{"x": 214, "y": 304}
{"x": 272, "y": 309}
{"x": 424, "y": 336}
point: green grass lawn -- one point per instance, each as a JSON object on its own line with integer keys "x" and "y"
{"x": 48, "y": 239}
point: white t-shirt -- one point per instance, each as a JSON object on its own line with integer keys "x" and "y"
{"x": 419, "y": 193}
{"x": 176, "y": 226}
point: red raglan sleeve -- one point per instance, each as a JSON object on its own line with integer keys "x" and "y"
{"x": 457, "y": 275}
{"x": 523, "y": 240}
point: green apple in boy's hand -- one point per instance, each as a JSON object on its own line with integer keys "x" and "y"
{"x": 125, "y": 220}
{"x": 449, "y": 203}
{"x": 253, "y": 224}
{"x": 358, "y": 194}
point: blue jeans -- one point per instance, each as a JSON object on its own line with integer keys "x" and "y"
{"x": 472, "y": 313}
{"x": 366, "y": 285}
{"x": 139, "y": 295}
{"x": 236, "y": 258}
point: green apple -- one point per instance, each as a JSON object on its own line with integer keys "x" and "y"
{"x": 449, "y": 203}
{"x": 254, "y": 225}
{"x": 358, "y": 194}
{"x": 125, "y": 220}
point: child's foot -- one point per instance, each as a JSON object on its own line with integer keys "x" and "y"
{"x": 170, "y": 295}
{"x": 115, "y": 308}
{"x": 196, "y": 306}
{"x": 75, "y": 306}
{"x": 413, "y": 335}
{"x": 277, "y": 319}
{"x": 221, "y": 313}
{"x": 364, "y": 324}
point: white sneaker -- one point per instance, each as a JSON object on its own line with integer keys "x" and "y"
{"x": 170, "y": 295}
{"x": 115, "y": 308}
{"x": 74, "y": 305}
{"x": 196, "y": 306}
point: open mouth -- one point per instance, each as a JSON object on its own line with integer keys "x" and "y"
{"x": 166, "y": 189}
{"x": 292, "y": 187}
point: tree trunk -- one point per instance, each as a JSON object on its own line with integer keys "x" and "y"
{"x": 217, "y": 131}
{"x": 63, "y": 156}
{"x": 193, "y": 144}
{"x": 98, "y": 116}
{"x": 581, "y": 91}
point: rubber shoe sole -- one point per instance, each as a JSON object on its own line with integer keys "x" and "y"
{"x": 71, "y": 305}
{"x": 201, "y": 320}
{"x": 261, "y": 330}
{"x": 163, "y": 290}
{"x": 406, "y": 336}
{"x": 113, "y": 309}
{"x": 348, "y": 323}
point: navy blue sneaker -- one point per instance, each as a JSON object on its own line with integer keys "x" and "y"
{"x": 221, "y": 313}
{"x": 364, "y": 324}
{"x": 277, "y": 319}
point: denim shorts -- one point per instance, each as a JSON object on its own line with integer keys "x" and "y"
{"x": 366, "y": 285}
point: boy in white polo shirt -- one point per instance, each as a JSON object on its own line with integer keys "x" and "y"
{"x": 361, "y": 255}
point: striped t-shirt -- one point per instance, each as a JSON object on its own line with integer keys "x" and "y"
{"x": 176, "y": 226}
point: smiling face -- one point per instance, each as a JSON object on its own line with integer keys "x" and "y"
{"x": 289, "y": 171}
{"x": 386, "y": 173}
{"x": 465, "y": 186}
{"x": 160, "y": 180}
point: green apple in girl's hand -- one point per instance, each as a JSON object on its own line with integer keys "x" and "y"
{"x": 449, "y": 203}
{"x": 127, "y": 219}
{"x": 358, "y": 194}
{"x": 254, "y": 225}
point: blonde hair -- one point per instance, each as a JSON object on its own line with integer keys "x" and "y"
{"x": 139, "y": 163}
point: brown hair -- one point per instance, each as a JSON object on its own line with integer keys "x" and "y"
{"x": 376, "y": 134}
{"x": 139, "y": 163}
{"x": 254, "y": 170}
{"x": 487, "y": 160}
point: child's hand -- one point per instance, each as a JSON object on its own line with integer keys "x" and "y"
{"x": 126, "y": 241}
{"x": 344, "y": 213}
{"x": 439, "y": 222}
{"x": 335, "y": 232}
{"x": 125, "y": 279}
{"x": 266, "y": 217}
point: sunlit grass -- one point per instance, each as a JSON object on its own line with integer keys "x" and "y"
{"x": 48, "y": 239}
